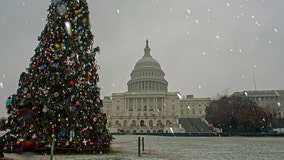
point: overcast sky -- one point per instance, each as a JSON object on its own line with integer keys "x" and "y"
{"x": 204, "y": 47}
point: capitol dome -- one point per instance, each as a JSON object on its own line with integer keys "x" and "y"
{"x": 147, "y": 75}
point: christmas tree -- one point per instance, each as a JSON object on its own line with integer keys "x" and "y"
{"x": 58, "y": 96}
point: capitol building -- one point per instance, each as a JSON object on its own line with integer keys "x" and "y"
{"x": 148, "y": 106}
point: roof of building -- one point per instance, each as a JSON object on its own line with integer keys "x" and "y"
{"x": 147, "y": 74}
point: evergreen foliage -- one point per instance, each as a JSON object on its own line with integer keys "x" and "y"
{"x": 58, "y": 95}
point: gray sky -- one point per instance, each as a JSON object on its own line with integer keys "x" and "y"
{"x": 204, "y": 47}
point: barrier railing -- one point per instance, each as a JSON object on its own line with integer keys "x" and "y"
{"x": 59, "y": 147}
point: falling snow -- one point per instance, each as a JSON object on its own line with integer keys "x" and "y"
{"x": 179, "y": 95}
{"x": 188, "y": 11}
{"x": 188, "y": 107}
{"x": 228, "y": 4}
{"x": 68, "y": 27}
{"x": 256, "y": 22}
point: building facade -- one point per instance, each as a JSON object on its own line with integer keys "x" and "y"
{"x": 274, "y": 99}
{"x": 147, "y": 106}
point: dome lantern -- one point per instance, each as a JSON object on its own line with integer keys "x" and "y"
{"x": 147, "y": 49}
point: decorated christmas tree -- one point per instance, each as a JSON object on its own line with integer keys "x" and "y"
{"x": 58, "y": 96}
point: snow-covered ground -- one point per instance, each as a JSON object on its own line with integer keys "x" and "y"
{"x": 183, "y": 148}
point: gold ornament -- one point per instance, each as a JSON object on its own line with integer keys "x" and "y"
{"x": 57, "y": 45}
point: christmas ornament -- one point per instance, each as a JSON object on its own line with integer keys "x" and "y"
{"x": 62, "y": 133}
{"x": 27, "y": 146}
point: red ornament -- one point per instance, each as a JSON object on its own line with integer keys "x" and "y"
{"x": 78, "y": 103}
{"x": 72, "y": 83}
{"x": 27, "y": 146}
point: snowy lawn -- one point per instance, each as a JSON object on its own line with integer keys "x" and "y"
{"x": 187, "y": 148}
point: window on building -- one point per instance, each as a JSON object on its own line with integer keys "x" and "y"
{"x": 151, "y": 108}
{"x": 159, "y": 104}
{"x": 168, "y": 123}
{"x": 131, "y": 108}
{"x": 151, "y": 102}
{"x": 159, "y": 108}
{"x": 133, "y": 123}
{"x": 125, "y": 123}
{"x": 139, "y": 108}
{"x": 159, "y": 123}
{"x": 142, "y": 123}
{"x": 145, "y": 108}
{"x": 150, "y": 123}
